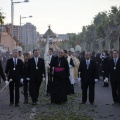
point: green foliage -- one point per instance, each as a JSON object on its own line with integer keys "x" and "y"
{"x": 103, "y": 24}
{"x": 1, "y": 17}
{"x": 71, "y": 110}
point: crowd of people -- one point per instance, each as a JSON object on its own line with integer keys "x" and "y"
{"x": 65, "y": 69}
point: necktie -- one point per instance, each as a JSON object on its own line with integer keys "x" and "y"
{"x": 88, "y": 63}
{"x": 15, "y": 61}
{"x": 36, "y": 61}
{"x": 115, "y": 61}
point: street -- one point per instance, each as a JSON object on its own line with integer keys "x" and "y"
{"x": 102, "y": 110}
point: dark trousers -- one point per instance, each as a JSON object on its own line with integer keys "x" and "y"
{"x": 116, "y": 91}
{"x": 69, "y": 87}
{"x": 49, "y": 84}
{"x": 14, "y": 85}
{"x": 26, "y": 89}
{"x": 91, "y": 92}
{"x": 34, "y": 89}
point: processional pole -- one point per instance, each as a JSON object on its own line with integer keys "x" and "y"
{"x": 46, "y": 59}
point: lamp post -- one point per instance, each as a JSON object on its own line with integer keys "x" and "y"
{"x": 20, "y": 27}
{"x": 12, "y": 17}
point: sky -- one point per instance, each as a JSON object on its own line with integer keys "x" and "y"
{"x": 64, "y": 16}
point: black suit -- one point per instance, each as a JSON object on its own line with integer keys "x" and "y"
{"x": 88, "y": 77}
{"x": 35, "y": 75}
{"x": 14, "y": 72}
{"x": 114, "y": 74}
{"x": 70, "y": 87}
{"x": 104, "y": 69}
{"x": 49, "y": 78}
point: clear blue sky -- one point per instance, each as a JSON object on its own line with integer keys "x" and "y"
{"x": 64, "y": 16}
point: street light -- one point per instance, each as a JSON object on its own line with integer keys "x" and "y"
{"x": 20, "y": 26}
{"x": 12, "y": 16}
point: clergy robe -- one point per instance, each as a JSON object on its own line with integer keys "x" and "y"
{"x": 60, "y": 75}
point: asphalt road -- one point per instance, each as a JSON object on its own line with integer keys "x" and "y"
{"x": 102, "y": 110}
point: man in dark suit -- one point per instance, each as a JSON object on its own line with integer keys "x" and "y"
{"x": 104, "y": 67}
{"x": 36, "y": 69}
{"x": 89, "y": 75}
{"x": 113, "y": 73}
{"x": 14, "y": 68}
{"x": 70, "y": 86}
{"x": 51, "y": 57}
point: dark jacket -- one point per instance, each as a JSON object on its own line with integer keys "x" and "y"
{"x": 18, "y": 72}
{"x": 90, "y": 74}
{"x": 114, "y": 74}
{"x": 32, "y": 72}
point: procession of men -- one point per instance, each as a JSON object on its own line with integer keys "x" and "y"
{"x": 25, "y": 72}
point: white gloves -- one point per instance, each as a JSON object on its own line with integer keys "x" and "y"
{"x": 6, "y": 83}
{"x": 96, "y": 80}
{"x": 21, "y": 80}
{"x": 106, "y": 80}
{"x": 79, "y": 79}
{"x": 28, "y": 79}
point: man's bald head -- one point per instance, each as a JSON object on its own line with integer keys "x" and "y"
{"x": 60, "y": 53}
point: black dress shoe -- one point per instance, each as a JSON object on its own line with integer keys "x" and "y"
{"x": 92, "y": 103}
{"x": 16, "y": 105}
{"x": 26, "y": 101}
{"x": 115, "y": 103}
{"x": 34, "y": 103}
{"x": 105, "y": 86}
{"x": 82, "y": 103}
{"x": 11, "y": 104}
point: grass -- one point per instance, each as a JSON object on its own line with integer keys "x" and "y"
{"x": 71, "y": 110}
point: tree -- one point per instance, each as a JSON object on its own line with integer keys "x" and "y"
{"x": 1, "y": 18}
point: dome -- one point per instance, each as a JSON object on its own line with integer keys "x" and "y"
{"x": 72, "y": 50}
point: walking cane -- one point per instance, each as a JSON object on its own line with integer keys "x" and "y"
{"x": 52, "y": 73}
{"x": 5, "y": 86}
